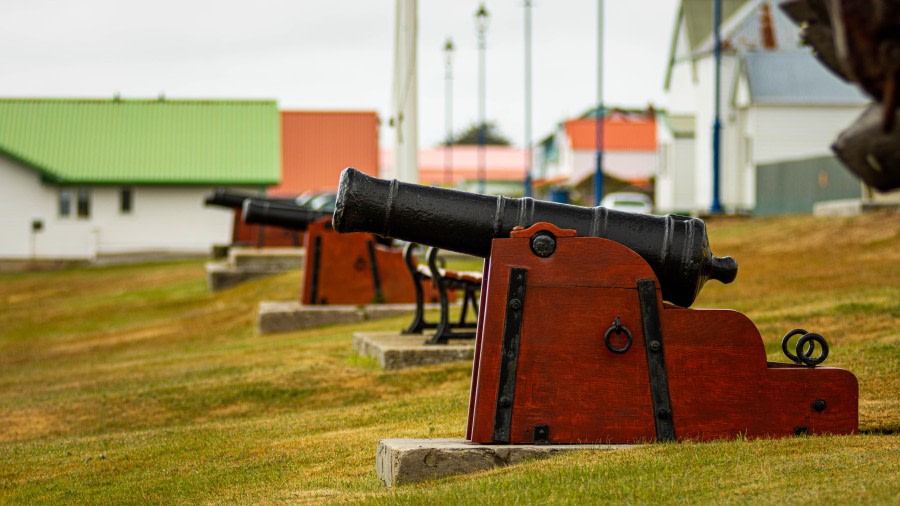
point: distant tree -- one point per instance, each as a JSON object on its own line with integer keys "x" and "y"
{"x": 492, "y": 136}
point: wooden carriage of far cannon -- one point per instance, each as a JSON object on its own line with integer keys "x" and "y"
{"x": 353, "y": 269}
{"x": 256, "y": 235}
{"x": 575, "y": 343}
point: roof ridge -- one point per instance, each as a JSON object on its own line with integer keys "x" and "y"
{"x": 115, "y": 100}
{"x": 166, "y": 142}
{"x": 329, "y": 111}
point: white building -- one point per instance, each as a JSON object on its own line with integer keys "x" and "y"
{"x": 84, "y": 178}
{"x": 778, "y": 104}
{"x": 568, "y": 158}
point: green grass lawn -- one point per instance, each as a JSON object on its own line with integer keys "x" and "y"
{"x": 133, "y": 384}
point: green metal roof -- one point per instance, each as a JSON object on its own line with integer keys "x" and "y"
{"x": 144, "y": 141}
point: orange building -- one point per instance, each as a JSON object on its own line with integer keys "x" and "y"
{"x": 315, "y": 147}
{"x": 621, "y": 132}
{"x": 568, "y": 156}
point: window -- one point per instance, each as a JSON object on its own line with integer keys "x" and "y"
{"x": 65, "y": 202}
{"x": 126, "y": 196}
{"x": 83, "y": 205}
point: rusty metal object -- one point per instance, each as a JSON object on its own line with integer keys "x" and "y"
{"x": 873, "y": 154}
{"x": 859, "y": 40}
{"x": 676, "y": 247}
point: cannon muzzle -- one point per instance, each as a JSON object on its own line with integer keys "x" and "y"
{"x": 676, "y": 247}
{"x": 235, "y": 199}
{"x": 281, "y": 214}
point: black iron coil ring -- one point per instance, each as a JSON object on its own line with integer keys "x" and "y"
{"x": 808, "y": 340}
{"x": 618, "y": 328}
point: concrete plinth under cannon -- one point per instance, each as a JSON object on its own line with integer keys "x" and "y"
{"x": 275, "y": 317}
{"x": 399, "y": 461}
{"x": 394, "y": 350}
{"x": 244, "y": 264}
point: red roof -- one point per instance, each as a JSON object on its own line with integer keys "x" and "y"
{"x": 502, "y": 163}
{"x": 317, "y": 145}
{"x": 621, "y": 132}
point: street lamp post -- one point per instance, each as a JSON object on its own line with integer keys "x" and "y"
{"x": 448, "y": 112}
{"x": 716, "y": 206}
{"x": 481, "y": 25}
{"x": 598, "y": 170}
{"x": 528, "y": 154}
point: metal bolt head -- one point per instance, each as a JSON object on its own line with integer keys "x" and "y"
{"x": 655, "y": 346}
{"x": 819, "y": 405}
{"x": 504, "y": 402}
{"x": 515, "y": 304}
{"x": 543, "y": 245}
{"x": 663, "y": 413}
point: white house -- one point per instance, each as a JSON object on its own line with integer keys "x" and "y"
{"x": 83, "y": 178}
{"x": 777, "y": 104}
{"x": 567, "y": 158}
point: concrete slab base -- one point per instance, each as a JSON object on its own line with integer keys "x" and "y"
{"x": 277, "y": 317}
{"x": 244, "y": 264}
{"x": 399, "y": 461}
{"x": 222, "y": 275}
{"x": 852, "y": 207}
{"x": 275, "y": 259}
{"x": 394, "y": 350}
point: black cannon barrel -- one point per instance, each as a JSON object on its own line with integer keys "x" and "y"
{"x": 676, "y": 247}
{"x": 235, "y": 199}
{"x": 281, "y": 214}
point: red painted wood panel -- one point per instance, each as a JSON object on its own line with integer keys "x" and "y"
{"x": 720, "y": 384}
{"x": 249, "y": 235}
{"x": 345, "y": 269}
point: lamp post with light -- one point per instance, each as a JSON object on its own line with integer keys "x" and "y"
{"x": 448, "y": 111}
{"x": 528, "y": 151}
{"x": 481, "y": 25}
{"x": 598, "y": 168}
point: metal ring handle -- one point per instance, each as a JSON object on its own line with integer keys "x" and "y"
{"x": 805, "y": 357}
{"x": 618, "y": 328}
{"x": 784, "y": 345}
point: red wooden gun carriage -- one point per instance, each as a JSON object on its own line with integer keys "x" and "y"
{"x": 340, "y": 268}
{"x": 575, "y": 343}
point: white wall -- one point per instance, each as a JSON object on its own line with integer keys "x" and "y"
{"x": 788, "y": 133}
{"x": 163, "y": 218}
{"x": 703, "y": 126}
{"x": 680, "y": 97}
{"x": 674, "y": 189}
{"x": 762, "y": 134}
{"x": 620, "y": 164}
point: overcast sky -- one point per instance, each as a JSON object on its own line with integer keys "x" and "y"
{"x": 337, "y": 54}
